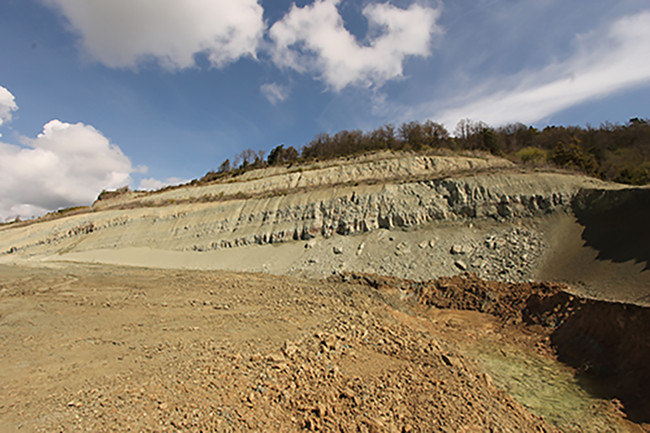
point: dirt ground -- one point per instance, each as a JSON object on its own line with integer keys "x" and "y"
{"x": 107, "y": 348}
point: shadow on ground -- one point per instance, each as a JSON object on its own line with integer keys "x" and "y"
{"x": 616, "y": 223}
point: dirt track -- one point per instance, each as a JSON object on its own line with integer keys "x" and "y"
{"x": 102, "y": 348}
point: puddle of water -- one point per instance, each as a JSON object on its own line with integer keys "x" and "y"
{"x": 550, "y": 389}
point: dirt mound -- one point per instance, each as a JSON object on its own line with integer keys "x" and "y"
{"x": 381, "y": 379}
{"x": 506, "y": 301}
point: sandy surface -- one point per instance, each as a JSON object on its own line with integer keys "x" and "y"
{"x": 571, "y": 260}
{"x": 421, "y": 254}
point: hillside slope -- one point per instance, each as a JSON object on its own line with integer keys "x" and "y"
{"x": 463, "y": 341}
{"x": 406, "y": 215}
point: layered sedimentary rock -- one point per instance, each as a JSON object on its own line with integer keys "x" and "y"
{"x": 344, "y": 210}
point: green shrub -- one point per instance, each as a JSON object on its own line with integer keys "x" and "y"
{"x": 570, "y": 154}
{"x": 532, "y": 155}
{"x": 634, "y": 174}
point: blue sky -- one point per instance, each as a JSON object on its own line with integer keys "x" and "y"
{"x": 100, "y": 94}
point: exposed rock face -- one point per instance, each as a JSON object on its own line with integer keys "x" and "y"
{"x": 448, "y": 215}
{"x": 288, "y": 354}
{"x": 341, "y": 210}
{"x": 601, "y": 212}
{"x": 383, "y": 167}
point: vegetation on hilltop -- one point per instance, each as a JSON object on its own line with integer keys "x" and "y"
{"x": 613, "y": 152}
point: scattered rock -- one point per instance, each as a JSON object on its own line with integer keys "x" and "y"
{"x": 478, "y": 263}
{"x": 276, "y": 358}
{"x": 461, "y": 249}
{"x": 290, "y": 349}
{"x": 485, "y": 379}
{"x": 460, "y": 265}
{"x": 337, "y": 250}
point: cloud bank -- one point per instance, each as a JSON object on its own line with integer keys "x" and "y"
{"x": 309, "y": 39}
{"x": 7, "y": 105}
{"x": 605, "y": 62}
{"x": 65, "y": 165}
{"x": 124, "y": 33}
{"x": 313, "y": 39}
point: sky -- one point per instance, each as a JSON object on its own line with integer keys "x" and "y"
{"x": 105, "y": 93}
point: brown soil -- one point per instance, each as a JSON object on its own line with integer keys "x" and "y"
{"x": 101, "y": 348}
{"x": 608, "y": 342}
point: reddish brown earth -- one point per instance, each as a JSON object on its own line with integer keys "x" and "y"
{"x": 606, "y": 341}
{"x": 102, "y": 348}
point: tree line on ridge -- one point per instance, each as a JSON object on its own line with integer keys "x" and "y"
{"x": 613, "y": 152}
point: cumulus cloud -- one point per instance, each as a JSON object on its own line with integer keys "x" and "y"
{"x": 274, "y": 92}
{"x": 7, "y": 105}
{"x": 605, "y": 62}
{"x": 65, "y": 165}
{"x": 314, "y": 39}
{"x": 151, "y": 184}
{"x": 123, "y": 33}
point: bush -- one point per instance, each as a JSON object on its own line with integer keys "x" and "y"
{"x": 634, "y": 175}
{"x": 532, "y": 155}
{"x": 570, "y": 154}
{"x": 105, "y": 195}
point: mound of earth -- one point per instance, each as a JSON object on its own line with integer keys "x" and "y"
{"x": 102, "y": 348}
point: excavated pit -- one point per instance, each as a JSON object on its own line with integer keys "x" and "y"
{"x": 608, "y": 343}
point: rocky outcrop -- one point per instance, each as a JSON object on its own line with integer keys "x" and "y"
{"x": 344, "y": 210}
{"x": 382, "y": 168}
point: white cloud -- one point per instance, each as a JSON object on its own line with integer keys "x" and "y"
{"x": 7, "y": 105}
{"x": 151, "y": 184}
{"x": 314, "y": 39}
{"x": 123, "y": 33}
{"x": 605, "y": 62}
{"x": 274, "y": 92}
{"x": 65, "y": 165}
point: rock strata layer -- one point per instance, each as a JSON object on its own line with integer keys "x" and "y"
{"x": 345, "y": 210}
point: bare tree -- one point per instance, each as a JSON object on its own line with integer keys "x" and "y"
{"x": 224, "y": 167}
{"x": 247, "y": 157}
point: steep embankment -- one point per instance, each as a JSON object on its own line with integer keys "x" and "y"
{"x": 603, "y": 248}
{"x": 608, "y": 343}
{"x": 407, "y": 215}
